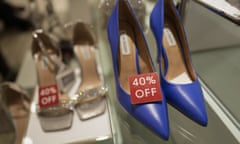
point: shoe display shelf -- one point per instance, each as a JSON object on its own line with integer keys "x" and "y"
{"x": 118, "y": 127}
{"x": 95, "y": 130}
{"x": 229, "y": 9}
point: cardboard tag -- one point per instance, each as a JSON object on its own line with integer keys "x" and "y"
{"x": 66, "y": 79}
{"x": 48, "y": 96}
{"x": 145, "y": 88}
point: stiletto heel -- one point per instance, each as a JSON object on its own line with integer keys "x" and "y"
{"x": 91, "y": 91}
{"x": 131, "y": 56}
{"x": 45, "y": 54}
{"x": 178, "y": 78}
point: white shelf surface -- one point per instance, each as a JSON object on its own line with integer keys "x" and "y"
{"x": 81, "y": 131}
{"x": 95, "y": 129}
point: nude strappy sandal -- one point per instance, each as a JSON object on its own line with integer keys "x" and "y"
{"x": 91, "y": 91}
{"x": 46, "y": 56}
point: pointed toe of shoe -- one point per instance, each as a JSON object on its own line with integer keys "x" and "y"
{"x": 153, "y": 115}
{"x": 203, "y": 119}
{"x": 188, "y": 99}
{"x": 200, "y": 115}
{"x": 197, "y": 112}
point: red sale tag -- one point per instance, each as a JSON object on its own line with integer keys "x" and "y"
{"x": 48, "y": 96}
{"x": 145, "y": 88}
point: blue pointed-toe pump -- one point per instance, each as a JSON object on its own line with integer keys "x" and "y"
{"x": 131, "y": 56}
{"x": 178, "y": 78}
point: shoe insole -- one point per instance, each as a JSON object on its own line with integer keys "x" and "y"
{"x": 176, "y": 64}
{"x": 127, "y": 56}
{"x": 85, "y": 54}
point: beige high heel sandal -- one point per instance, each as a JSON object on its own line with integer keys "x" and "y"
{"x": 91, "y": 91}
{"x": 46, "y": 55}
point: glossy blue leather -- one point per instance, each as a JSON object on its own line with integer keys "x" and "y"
{"x": 153, "y": 115}
{"x": 187, "y": 98}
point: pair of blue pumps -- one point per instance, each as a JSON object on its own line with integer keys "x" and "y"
{"x": 136, "y": 59}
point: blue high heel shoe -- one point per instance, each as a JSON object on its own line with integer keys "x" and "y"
{"x": 131, "y": 56}
{"x": 178, "y": 78}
